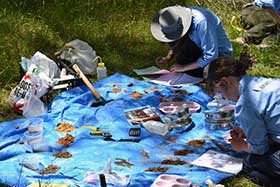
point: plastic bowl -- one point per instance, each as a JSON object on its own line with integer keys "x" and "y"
{"x": 35, "y": 125}
{"x": 33, "y": 137}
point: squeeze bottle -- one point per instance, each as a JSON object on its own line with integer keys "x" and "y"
{"x": 101, "y": 71}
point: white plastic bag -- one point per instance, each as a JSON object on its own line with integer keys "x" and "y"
{"x": 25, "y": 97}
{"x": 111, "y": 176}
{"x": 80, "y": 53}
{"x": 46, "y": 65}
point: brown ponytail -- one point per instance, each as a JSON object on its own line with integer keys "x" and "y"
{"x": 227, "y": 66}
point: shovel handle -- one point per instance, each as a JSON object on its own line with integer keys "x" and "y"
{"x": 86, "y": 81}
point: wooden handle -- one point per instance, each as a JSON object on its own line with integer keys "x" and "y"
{"x": 86, "y": 81}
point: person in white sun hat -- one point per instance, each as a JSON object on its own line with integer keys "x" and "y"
{"x": 195, "y": 36}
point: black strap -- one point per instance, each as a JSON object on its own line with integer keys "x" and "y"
{"x": 102, "y": 180}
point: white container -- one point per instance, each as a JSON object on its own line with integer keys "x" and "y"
{"x": 156, "y": 127}
{"x": 101, "y": 71}
{"x": 35, "y": 125}
{"x": 33, "y": 137}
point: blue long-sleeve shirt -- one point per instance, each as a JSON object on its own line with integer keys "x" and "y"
{"x": 207, "y": 33}
{"x": 274, "y": 4}
{"x": 258, "y": 111}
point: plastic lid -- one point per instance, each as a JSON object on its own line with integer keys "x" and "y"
{"x": 101, "y": 65}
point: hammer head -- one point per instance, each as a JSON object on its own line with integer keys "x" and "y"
{"x": 99, "y": 102}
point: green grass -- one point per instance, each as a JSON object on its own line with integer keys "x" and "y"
{"x": 119, "y": 31}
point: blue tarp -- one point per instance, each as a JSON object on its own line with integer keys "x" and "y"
{"x": 91, "y": 153}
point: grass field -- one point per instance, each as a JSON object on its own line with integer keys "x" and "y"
{"x": 119, "y": 31}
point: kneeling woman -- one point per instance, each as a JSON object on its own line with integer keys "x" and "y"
{"x": 258, "y": 112}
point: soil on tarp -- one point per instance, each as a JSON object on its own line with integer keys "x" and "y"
{"x": 153, "y": 89}
{"x": 136, "y": 95}
{"x": 62, "y": 154}
{"x": 174, "y": 162}
{"x": 157, "y": 169}
{"x": 66, "y": 140}
{"x": 183, "y": 152}
{"x": 145, "y": 154}
{"x": 124, "y": 163}
{"x": 65, "y": 127}
{"x": 171, "y": 139}
{"x": 196, "y": 143}
{"x": 51, "y": 169}
{"x": 118, "y": 90}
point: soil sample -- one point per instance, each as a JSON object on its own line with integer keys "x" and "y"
{"x": 173, "y": 140}
{"x": 196, "y": 143}
{"x": 151, "y": 90}
{"x": 136, "y": 95}
{"x": 66, "y": 140}
{"x": 174, "y": 162}
{"x": 117, "y": 90}
{"x": 183, "y": 152}
{"x": 145, "y": 154}
{"x": 157, "y": 169}
{"x": 49, "y": 170}
{"x": 65, "y": 127}
{"x": 62, "y": 155}
{"x": 124, "y": 163}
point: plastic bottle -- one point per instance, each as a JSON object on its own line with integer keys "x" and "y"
{"x": 101, "y": 71}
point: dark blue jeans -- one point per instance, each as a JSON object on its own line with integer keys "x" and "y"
{"x": 264, "y": 169}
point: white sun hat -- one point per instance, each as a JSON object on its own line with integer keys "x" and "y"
{"x": 171, "y": 23}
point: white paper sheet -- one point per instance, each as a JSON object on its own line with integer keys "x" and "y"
{"x": 176, "y": 79}
{"x": 219, "y": 161}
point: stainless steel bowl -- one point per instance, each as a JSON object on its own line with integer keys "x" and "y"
{"x": 219, "y": 115}
{"x": 178, "y": 124}
{"x": 221, "y": 118}
{"x": 219, "y": 124}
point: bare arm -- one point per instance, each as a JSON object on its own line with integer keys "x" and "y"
{"x": 183, "y": 68}
{"x": 166, "y": 59}
{"x": 240, "y": 144}
{"x": 238, "y": 141}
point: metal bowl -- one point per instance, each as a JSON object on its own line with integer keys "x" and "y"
{"x": 223, "y": 113}
{"x": 218, "y": 115}
{"x": 178, "y": 124}
{"x": 183, "y": 126}
{"x": 219, "y": 124}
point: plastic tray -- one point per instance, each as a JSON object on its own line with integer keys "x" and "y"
{"x": 165, "y": 180}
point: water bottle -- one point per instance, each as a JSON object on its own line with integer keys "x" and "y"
{"x": 101, "y": 71}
